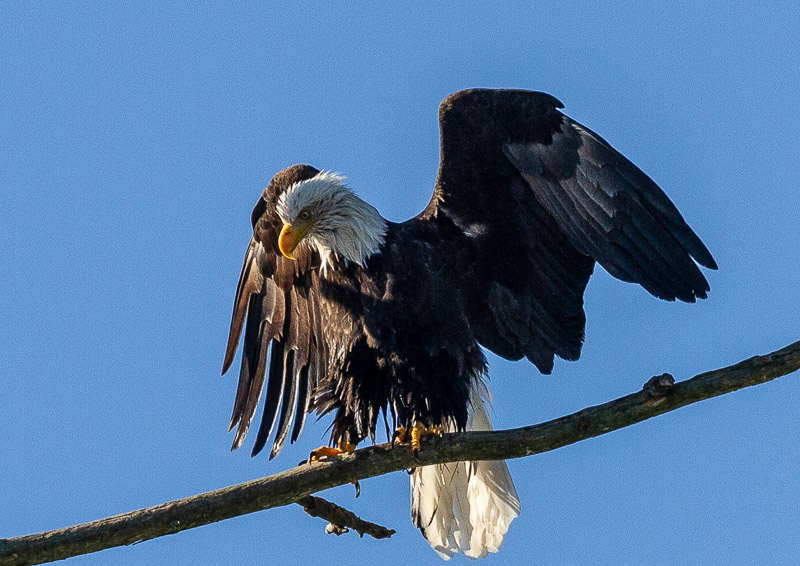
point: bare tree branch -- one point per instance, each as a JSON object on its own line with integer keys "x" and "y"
{"x": 341, "y": 518}
{"x": 658, "y": 397}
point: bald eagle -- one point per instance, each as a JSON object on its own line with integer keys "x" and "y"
{"x": 345, "y": 312}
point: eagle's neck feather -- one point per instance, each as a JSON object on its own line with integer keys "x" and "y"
{"x": 346, "y": 228}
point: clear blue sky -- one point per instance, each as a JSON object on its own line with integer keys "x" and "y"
{"x": 136, "y": 138}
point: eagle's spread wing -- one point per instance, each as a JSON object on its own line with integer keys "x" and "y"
{"x": 541, "y": 198}
{"x": 279, "y": 298}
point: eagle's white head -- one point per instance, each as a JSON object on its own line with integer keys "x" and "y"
{"x": 326, "y": 215}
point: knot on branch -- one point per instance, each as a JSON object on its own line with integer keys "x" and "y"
{"x": 659, "y": 385}
{"x": 331, "y": 529}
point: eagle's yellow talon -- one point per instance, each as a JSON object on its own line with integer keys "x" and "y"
{"x": 324, "y": 452}
{"x": 414, "y": 434}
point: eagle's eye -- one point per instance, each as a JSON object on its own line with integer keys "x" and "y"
{"x": 305, "y": 215}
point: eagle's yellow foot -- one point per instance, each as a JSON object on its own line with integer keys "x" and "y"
{"x": 324, "y": 452}
{"x": 414, "y": 434}
{"x": 418, "y": 431}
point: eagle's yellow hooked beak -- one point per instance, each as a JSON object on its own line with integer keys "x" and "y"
{"x": 291, "y": 236}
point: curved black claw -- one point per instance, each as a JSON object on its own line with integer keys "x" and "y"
{"x": 358, "y": 488}
{"x": 398, "y": 435}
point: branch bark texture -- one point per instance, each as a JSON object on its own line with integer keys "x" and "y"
{"x": 293, "y": 485}
{"x": 342, "y": 519}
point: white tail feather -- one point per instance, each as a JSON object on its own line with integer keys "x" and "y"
{"x": 466, "y": 506}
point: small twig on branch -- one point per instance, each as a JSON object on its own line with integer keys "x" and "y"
{"x": 341, "y": 518}
{"x": 293, "y": 485}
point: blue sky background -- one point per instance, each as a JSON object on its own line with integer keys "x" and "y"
{"x": 135, "y": 138}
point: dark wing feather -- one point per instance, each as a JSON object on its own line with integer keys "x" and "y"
{"x": 277, "y": 307}
{"x": 538, "y": 199}
{"x": 299, "y": 333}
{"x": 314, "y": 369}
